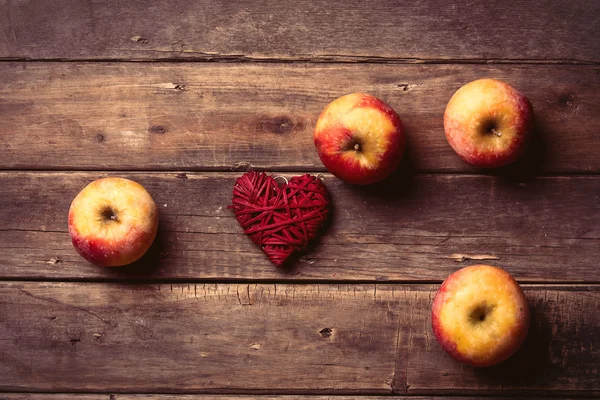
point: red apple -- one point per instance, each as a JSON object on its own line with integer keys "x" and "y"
{"x": 113, "y": 222}
{"x": 487, "y": 122}
{"x": 359, "y": 138}
{"x": 480, "y": 315}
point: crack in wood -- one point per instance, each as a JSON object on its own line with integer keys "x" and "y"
{"x": 29, "y": 294}
{"x": 466, "y": 257}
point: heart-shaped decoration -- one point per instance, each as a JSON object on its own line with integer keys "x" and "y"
{"x": 280, "y": 219}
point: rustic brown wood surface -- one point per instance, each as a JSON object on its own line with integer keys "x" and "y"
{"x": 183, "y": 96}
{"x": 415, "y": 227}
{"x": 203, "y": 116}
{"x": 267, "y": 337}
{"x": 416, "y": 31}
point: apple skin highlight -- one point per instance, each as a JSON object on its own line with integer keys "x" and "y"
{"x": 359, "y": 139}
{"x": 488, "y": 123}
{"x": 112, "y": 222}
{"x": 480, "y": 315}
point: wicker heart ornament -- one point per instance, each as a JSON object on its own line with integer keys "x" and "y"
{"x": 280, "y": 219}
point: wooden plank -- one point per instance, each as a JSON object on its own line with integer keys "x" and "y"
{"x": 165, "y": 116}
{"x": 559, "y": 356}
{"x": 199, "y": 338}
{"x": 410, "y": 229}
{"x": 275, "y": 338}
{"x": 421, "y": 30}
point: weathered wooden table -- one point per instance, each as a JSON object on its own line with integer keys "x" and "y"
{"x": 183, "y": 96}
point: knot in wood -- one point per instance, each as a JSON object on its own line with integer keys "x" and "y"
{"x": 281, "y": 124}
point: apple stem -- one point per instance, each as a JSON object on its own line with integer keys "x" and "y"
{"x": 497, "y": 133}
{"x": 109, "y": 214}
{"x": 356, "y": 146}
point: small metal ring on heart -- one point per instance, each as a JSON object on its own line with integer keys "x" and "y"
{"x": 280, "y": 177}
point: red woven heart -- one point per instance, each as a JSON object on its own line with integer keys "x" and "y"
{"x": 281, "y": 220}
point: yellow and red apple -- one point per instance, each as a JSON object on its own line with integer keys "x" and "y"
{"x": 480, "y": 315}
{"x": 359, "y": 138}
{"x": 113, "y": 221}
{"x": 487, "y": 122}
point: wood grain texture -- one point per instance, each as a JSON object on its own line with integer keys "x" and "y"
{"x": 166, "y": 116}
{"x": 421, "y": 30}
{"x": 209, "y": 338}
{"x": 277, "y": 339}
{"x": 204, "y": 314}
{"x": 409, "y": 228}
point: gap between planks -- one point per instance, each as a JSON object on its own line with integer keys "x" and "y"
{"x": 282, "y": 170}
{"x": 408, "y": 283}
{"x": 200, "y": 57}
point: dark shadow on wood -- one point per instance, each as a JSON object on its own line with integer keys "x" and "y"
{"x": 530, "y": 164}
{"x": 531, "y": 364}
{"x": 399, "y": 184}
{"x": 148, "y": 265}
